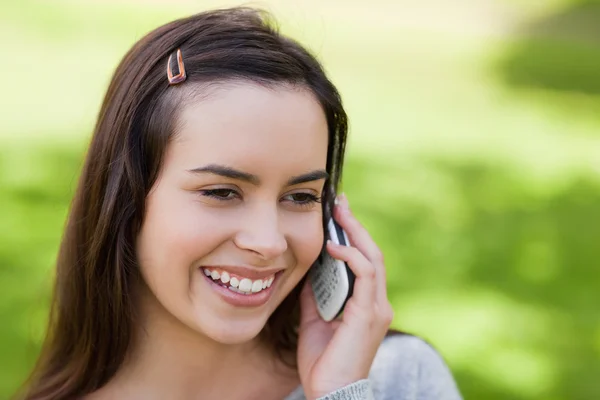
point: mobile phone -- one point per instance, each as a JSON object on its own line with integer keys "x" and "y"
{"x": 332, "y": 280}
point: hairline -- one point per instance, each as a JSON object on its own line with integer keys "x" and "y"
{"x": 194, "y": 92}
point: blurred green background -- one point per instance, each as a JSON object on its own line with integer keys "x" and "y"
{"x": 474, "y": 160}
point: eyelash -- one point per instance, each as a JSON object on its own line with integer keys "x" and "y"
{"x": 217, "y": 194}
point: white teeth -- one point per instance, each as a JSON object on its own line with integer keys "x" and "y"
{"x": 239, "y": 285}
{"x": 225, "y": 277}
{"x": 257, "y": 286}
{"x": 245, "y": 285}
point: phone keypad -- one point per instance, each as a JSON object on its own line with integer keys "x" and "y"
{"x": 326, "y": 280}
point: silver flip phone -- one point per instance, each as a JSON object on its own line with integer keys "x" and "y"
{"x": 332, "y": 280}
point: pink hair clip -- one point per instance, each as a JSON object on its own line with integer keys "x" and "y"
{"x": 180, "y": 77}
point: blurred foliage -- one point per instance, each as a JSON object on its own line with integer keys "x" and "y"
{"x": 559, "y": 52}
{"x": 474, "y": 161}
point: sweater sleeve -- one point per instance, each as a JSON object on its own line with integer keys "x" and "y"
{"x": 408, "y": 368}
{"x": 405, "y": 368}
{"x": 435, "y": 381}
{"x": 359, "y": 390}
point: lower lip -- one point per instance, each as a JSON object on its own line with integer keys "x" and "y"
{"x": 242, "y": 300}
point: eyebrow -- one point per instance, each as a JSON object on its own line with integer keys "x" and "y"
{"x": 228, "y": 172}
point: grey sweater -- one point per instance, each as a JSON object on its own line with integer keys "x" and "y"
{"x": 405, "y": 368}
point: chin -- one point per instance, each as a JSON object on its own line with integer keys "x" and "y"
{"x": 230, "y": 332}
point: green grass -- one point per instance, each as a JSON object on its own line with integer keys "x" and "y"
{"x": 474, "y": 161}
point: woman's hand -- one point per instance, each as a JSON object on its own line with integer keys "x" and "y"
{"x": 334, "y": 354}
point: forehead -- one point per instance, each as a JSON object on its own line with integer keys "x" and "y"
{"x": 252, "y": 127}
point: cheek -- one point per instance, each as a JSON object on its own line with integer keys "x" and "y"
{"x": 306, "y": 240}
{"x": 175, "y": 234}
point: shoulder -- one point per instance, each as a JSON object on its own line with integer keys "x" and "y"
{"x": 407, "y": 367}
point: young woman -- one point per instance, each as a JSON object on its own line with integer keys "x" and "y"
{"x": 199, "y": 211}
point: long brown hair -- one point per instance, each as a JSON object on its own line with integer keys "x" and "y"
{"x": 92, "y": 313}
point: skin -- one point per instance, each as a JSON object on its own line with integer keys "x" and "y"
{"x": 191, "y": 343}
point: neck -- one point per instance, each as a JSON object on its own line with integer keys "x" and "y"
{"x": 170, "y": 360}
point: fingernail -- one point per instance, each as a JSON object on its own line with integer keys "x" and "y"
{"x": 344, "y": 201}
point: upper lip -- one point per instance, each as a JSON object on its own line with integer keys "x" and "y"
{"x": 246, "y": 272}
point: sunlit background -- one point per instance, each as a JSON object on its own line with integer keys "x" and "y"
{"x": 474, "y": 160}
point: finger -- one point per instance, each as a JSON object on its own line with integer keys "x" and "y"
{"x": 335, "y": 324}
{"x": 358, "y": 235}
{"x": 365, "y": 283}
{"x": 382, "y": 297}
{"x": 381, "y": 276}
{"x": 360, "y": 238}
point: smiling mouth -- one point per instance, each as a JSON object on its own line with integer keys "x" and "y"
{"x": 238, "y": 284}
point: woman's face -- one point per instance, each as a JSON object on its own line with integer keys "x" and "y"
{"x": 232, "y": 223}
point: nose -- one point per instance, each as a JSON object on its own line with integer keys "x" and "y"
{"x": 261, "y": 233}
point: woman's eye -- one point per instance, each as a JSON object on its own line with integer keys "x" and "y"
{"x": 220, "y": 194}
{"x": 305, "y": 199}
